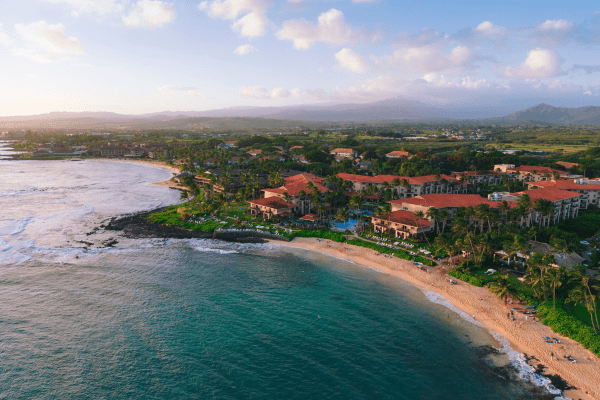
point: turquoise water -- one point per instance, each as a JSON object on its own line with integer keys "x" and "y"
{"x": 161, "y": 319}
{"x": 169, "y": 321}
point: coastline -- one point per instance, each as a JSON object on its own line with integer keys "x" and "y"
{"x": 523, "y": 336}
{"x": 158, "y": 164}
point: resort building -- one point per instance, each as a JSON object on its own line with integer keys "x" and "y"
{"x": 298, "y": 190}
{"x": 529, "y": 173}
{"x": 402, "y": 224}
{"x": 589, "y": 188}
{"x": 271, "y": 207}
{"x": 406, "y": 186}
{"x": 567, "y": 165}
{"x": 346, "y": 153}
{"x": 565, "y": 204}
{"x": 484, "y": 177}
{"x": 399, "y": 154}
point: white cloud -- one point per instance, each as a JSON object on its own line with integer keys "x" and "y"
{"x": 253, "y": 92}
{"x": 560, "y": 24}
{"x": 244, "y": 49}
{"x": 5, "y": 40}
{"x": 296, "y": 92}
{"x": 175, "y": 91}
{"x": 350, "y": 60}
{"x": 279, "y": 93}
{"x": 91, "y": 6}
{"x": 488, "y": 28}
{"x": 260, "y": 92}
{"x": 431, "y": 58}
{"x": 465, "y": 82}
{"x": 540, "y": 63}
{"x": 331, "y": 28}
{"x": 149, "y": 14}
{"x": 252, "y": 24}
{"x": 45, "y": 43}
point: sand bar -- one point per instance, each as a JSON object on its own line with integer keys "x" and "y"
{"x": 524, "y": 336}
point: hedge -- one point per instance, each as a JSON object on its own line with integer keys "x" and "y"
{"x": 473, "y": 280}
{"x": 567, "y": 325}
{"x": 396, "y": 252}
{"x": 334, "y": 236}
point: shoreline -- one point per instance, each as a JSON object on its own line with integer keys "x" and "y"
{"x": 153, "y": 163}
{"x": 524, "y": 337}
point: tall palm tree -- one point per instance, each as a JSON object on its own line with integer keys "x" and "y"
{"x": 592, "y": 289}
{"x": 555, "y": 277}
{"x": 560, "y": 245}
{"x": 503, "y": 288}
{"x": 580, "y": 295}
{"x": 443, "y": 216}
{"x": 342, "y": 216}
{"x": 525, "y": 205}
{"x": 433, "y": 214}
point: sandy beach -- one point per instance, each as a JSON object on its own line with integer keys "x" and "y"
{"x": 524, "y": 336}
{"x": 153, "y": 163}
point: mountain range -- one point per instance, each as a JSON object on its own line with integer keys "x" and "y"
{"x": 394, "y": 109}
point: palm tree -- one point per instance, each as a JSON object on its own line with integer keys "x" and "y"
{"x": 443, "y": 216}
{"x": 560, "y": 245}
{"x": 555, "y": 277}
{"x": 503, "y": 288}
{"x": 342, "y": 216}
{"x": 580, "y": 295}
{"x": 444, "y": 242}
{"x": 525, "y": 205}
{"x": 433, "y": 214}
{"x": 592, "y": 289}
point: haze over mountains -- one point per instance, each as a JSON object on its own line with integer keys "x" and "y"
{"x": 395, "y": 109}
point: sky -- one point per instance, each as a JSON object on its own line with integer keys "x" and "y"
{"x": 135, "y": 57}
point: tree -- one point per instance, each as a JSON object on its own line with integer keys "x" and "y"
{"x": 591, "y": 291}
{"x": 433, "y": 214}
{"x": 555, "y": 277}
{"x": 342, "y": 216}
{"x": 503, "y": 288}
{"x": 560, "y": 245}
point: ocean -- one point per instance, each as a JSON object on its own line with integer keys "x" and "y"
{"x": 88, "y": 314}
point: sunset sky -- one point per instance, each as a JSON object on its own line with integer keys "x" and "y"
{"x": 143, "y": 56}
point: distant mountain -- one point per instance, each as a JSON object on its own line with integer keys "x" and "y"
{"x": 544, "y": 113}
{"x": 394, "y": 109}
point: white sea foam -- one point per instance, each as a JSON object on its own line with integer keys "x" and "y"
{"x": 526, "y": 371}
{"x": 14, "y": 227}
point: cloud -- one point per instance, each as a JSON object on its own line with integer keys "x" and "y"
{"x": 331, "y": 28}
{"x": 45, "y": 43}
{"x": 350, "y": 60}
{"x": 560, "y": 24}
{"x": 488, "y": 28}
{"x": 588, "y": 69}
{"x": 252, "y": 24}
{"x": 244, "y": 49}
{"x": 91, "y": 6}
{"x": 175, "y": 91}
{"x": 260, "y": 92}
{"x": 149, "y": 14}
{"x": 540, "y": 63}
{"x": 5, "y": 40}
{"x": 431, "y": 58}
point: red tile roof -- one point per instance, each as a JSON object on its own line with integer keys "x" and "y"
{"x": 414, "y": 180}
{"x": 475, "y": 173}
{"x": 399, "y": 153}
{"x": 444, "y": 200}
{"x": 563, "y": 184}
{"x": 341, "y": 150}
{"x": 272, "y": 202}
{"x": 537, "y": 169}
{"x": 406, "y": 218}
{"x": 567, "y": 165}
{"x": 310, "y": 217}
{"x": 550, "y": 193}
{"x": 295, "y": 184}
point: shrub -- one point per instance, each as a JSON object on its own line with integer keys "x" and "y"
{"x": 470, "y": 279}
{"x": 334, "y": 236}
{"x": 396, "y": 252}
{"x": 565, "y": 324}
